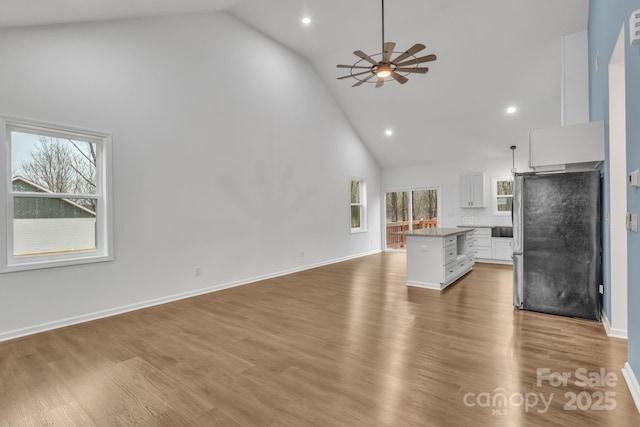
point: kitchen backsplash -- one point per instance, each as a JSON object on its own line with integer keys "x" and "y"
{"x": 471, "y": 218}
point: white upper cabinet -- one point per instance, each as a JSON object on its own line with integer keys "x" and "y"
{"x": 471, "y": 190}
{"x": 581, "y": 143}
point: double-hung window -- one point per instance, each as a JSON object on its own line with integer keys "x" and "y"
{"x": 503, "y": 195}
{"x": 358, "y": 205}
{"x": 55, "y": 196}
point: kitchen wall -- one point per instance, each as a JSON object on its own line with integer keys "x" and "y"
{"x": 229, "y": 155}
{"x": 606, "y": 18}
{"x": 446, "y": 176}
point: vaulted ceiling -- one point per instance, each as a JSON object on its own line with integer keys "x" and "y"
{"x": 491, "y": 54}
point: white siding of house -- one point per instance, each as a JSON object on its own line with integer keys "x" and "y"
{"x": 50, "y": 235}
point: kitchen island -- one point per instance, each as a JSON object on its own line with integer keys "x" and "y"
{"x": 437, "y": 257}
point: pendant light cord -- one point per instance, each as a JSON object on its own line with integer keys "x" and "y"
{"x": 382, "y": 27}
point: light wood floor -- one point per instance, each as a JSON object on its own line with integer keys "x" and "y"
{"x": 343, "y": 345}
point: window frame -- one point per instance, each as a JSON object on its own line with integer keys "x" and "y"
{"x": 495, "y": 196}
{"x": 103, "y": 195}
{"x": 363, "y": 205}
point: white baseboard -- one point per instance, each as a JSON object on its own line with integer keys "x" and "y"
{"x": 494, "y": 261}
{"x": 42, "y": 327}
{"x": 613, "y": 332}
{"x": 632, "y": 383}
{"x": 425, "y": 285}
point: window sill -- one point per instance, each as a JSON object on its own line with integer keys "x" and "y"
{"x": 37, "y": 265}
{"x": 358, "y": 230}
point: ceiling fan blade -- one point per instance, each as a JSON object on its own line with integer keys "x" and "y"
{"x": 353, "y": 75}
{"x": 421, "y": 70}
{"x": 388, "y": 51}
{"x": 401, "y": 79}
{"x": 412, "y": 51}
{"x": 380, "y": 83}
{"x": 363, "y": 80}
{"x": 360, "y": 67}
{"x": 364, "y": 56}
{"x": 420, "y": 60}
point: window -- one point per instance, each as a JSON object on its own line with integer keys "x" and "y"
{"x": 419, "y": 205}
{"x": 55, "y": 200}
{"x": 503, "y": 195}
{"x": 358, "y": 205}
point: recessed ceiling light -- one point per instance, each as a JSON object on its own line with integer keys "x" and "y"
{"x": 511, "y": 110}
{"x": 388, "y": 132}
{"x": 306, "y": 20}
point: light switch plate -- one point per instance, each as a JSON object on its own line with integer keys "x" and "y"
{"x": 632, "y": 222}
{"x": 634, "y": 178}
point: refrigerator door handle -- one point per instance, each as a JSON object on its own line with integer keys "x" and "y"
{"x": 518, "y": 249}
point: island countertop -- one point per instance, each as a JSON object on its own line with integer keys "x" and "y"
{"x": 433, "y": 232}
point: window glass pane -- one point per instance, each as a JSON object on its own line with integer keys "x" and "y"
{"x": 504, "y": 188}
{"x": 356, "y": 221}
{"x": 397, "y": 207}
{"x": 424, "y": 205}
{"x": 355, "y": 191}
{"x": 504, "y": 204}
{"x": 46, "y": 225}
{"x": 52, "y": 164}
{"x": 397, "y": 218}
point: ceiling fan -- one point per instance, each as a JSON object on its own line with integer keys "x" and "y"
{"x": 386, "y": 68}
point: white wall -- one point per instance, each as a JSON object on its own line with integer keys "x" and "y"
{"x": 229, "y": 155}
{"x": 446, "y": 177}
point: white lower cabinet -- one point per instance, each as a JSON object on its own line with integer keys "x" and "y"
{"x": 482, "y": 243}
{"x": 491, "y": 249}
{"x": 501, "y": 248}
{"x": 436, "y": 262}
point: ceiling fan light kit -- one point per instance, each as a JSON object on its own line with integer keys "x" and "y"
{"x": 396, "y": 69}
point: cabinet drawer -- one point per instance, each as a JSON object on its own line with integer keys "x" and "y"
{"x": 469, "y": 246}
{"x": 469, "y": 235}
{"x": 480, "y": 252}
{"x": 483, "y": 232}
{"x": 482, "y": 241}
{"x": 450, "y": 270}
{"x": 449, "y": 240}
{"x": 450, "y": 253}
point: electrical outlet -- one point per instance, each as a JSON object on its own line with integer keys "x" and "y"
{"x": 198, "y": 271}
{"x": 301, "y": 254}
{"x": 601, "y": 289}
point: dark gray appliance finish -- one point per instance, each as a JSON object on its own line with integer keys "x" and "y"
{"x": 501, "y": 231}
{"x": 556, "y": 222}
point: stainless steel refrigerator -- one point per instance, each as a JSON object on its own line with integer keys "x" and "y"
{"x": 556, "y": 243}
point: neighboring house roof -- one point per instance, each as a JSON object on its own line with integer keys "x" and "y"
{"x": 17, "y": 180}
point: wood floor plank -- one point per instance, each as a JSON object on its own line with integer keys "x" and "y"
{"x": 347, "y": 344}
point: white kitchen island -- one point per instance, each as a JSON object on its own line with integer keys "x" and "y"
{"x": 437, "y": 257}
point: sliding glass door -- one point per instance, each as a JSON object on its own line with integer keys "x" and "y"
{"x": 406, "y": 211}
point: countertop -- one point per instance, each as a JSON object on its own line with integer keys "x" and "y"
{"x": 433, "y": 232}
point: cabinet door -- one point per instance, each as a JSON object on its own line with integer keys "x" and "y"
{"x": 471, "y": 190}
{"x": 501, "y": 248}
{"x": 477, "y": 190}
{"x": 464, "y": 190}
